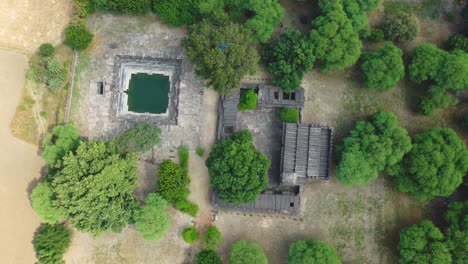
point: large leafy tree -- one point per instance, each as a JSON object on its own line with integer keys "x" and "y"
{"x": 336, "y": 42}
{"x": 222, "y": 53}
{"x": 51, "y": 242}
{"x": 384, "y": 68}
{"x": 243, "y": 252}
{"x": 312, "y": 251}
{"x": 457, "y": 232}
{"x": 42, "y": 202}
{"x": 237, "y": 170}
{"x": 151, "y": 219}
{"x": 94, "y": 188}
{"x": 60, "y": 142}
{"x": 288, "y": 58}
{"x": 140, "y": 138}
{"x": 372, "y": 147}
{"x": 400, "y": 26}
{"x": 423, "y": 243}
{"x": 435, "y": 165}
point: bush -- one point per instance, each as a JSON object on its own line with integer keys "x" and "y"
{"x": 41, "y": 199}
{"x": 458, "y": 41}
{"x": 238, "y": 171}
{"x": 184, "y": 160}
{"x": 400, "y": 26}
{"x": 384, "y": 68}
{"x": 190, "y": 234}
{"x": 248, "y": 100}
{"x": 376, "y": 35}
{"x": 131, "y": 7}
{"x": 140, "y": 138}
{"x": 46, "y": 50}
{"x": 312, "y": 251}
{"x": 200, "y": 151}
{"x": 78, "y": 36}
{"x": 212, "y": 238}
{"x": 51, "y": 242}
{"x": 186, "y": 207}
{"x": 172, "y": 183}
{"x": 243, "y": 252}
{"x": 175, "y": 12}
{"x": 207, "y": 257}
{"x": 151, "y": 219}
{"x": 289, "y": 115}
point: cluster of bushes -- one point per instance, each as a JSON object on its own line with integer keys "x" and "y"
{"x": 45, "y": 69}
{"x": 248, "y": 100}
{"x": 425, "y": 241}
{"x": 432, "y": 165}
{"x": 212, "y": 240}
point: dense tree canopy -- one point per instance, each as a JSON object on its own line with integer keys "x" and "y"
{"x": 435, "y": 165}
{"x": 237, "y": 170}
{"x": 243, "y": 252}
{"x": 336, "y": 42}
{"x": 423, "y": 243}
{"x": 384, "y": 68}
{"x": 131, "y": 7}
{"x": 94, "y": 187}
{"x": 172, "y": 183}
{"x": 78, "y": 36}
{"x": 207, "y": 257}
{"x": 62, "y": 140}
{"x": 140, "y": 138}
{"x": 457, "y": 232}
{"x": 41, "y": 199}
{"x": 222, "y": 53}
{"x": 400, "y": 26}
{"x": 312, "y": 251}
{"x": 51, "y": 242}
{"x": 151, "y": 219}
{"x": 372, "y": 147}
{"x": 288, "y": 58}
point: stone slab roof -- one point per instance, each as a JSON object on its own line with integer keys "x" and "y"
{"x": 228, "y": 114}
{"x": 305, "y": 153}
{"x": 272, "y": 96}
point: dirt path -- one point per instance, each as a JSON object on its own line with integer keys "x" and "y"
{"x": 20, "y": 165}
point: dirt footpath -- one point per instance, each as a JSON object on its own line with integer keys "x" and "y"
{"x": 28, "y": 23}
{"x": 19, "y": 165}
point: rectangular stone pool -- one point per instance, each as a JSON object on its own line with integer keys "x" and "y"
{"x": 148, "y": 93}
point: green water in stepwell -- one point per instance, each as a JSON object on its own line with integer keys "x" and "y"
{"x": 148, "y": 93}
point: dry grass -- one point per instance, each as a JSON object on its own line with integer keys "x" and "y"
{"x": 24, "y": 124}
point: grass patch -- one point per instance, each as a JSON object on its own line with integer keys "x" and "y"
{"x": 395, "y": 7}
{"x": 24, "y": 124}
{"x": 200, "y": 151}
{"x": 81, "y": 65}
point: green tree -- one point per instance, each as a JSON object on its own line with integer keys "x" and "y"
{"x": 151, "y": 219}
{"x": 372, "y": 147}
{"x": 51, "y": 242}
{"x": 190, "y": 234}
{"x": 435, "y": 165}
{"x": 212, "y": 238}
{"x": 289, "y": 115}
{"x": 458, "y": 41}
{"x": 46, "y": 50}
{"x": 237, "y": 170}
{"x": 172, "y": 183}
{"x": 312, "y": 251}
{"x": 222, "y": 53}
{"x": 41, "y": 199}
{"x": 384, "y": 68}
{"x": 288, "y": 58}
{"x": 207, "y": 257}
{"x": 336, "y": 43}
{"x": 248, "y": 100}
{"x": 95, "y": 187}
{"x": 175, "y": 12}
{"x": 62, "y": 140}
{"x": 78, "y": 36}
{"x": 140, "y": 138}
{"x": 457, "y": 232}
{"x": 243, "y": 252}
{"x": 400, "y": 26}
{"x": 423, "y": 243}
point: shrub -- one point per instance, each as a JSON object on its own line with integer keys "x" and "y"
{"x": 46, "y": 50}
{"x": 151, "y": 219}
{"x": 175, "y": 12}
{"x": 243, "y": 252}
{"x": 288, "y": 58}
{"x": 384, "y": 68}
{"x": 184, "y": 160}
{"x": 376, "y": 35}
{"x": 78, "y": 36}
{"x": 238, "y": 171}
{"x": 172, "y": 182}
{"x": 200, "y": 151}
{"x": 289, "y": 115}
{"x": 190, "y": 234}
{"x": 207, "y": 257}
{"x": 400, "y": 26}
{"x": 248, "y": 100}
{"x": 212, "y": 238}
{"x": 312, "y": 251}
{"x": 63, "y": 140}
{"x": 51, "y": 242}
{"x": 458, "y": 41}
{"x": 186, "y": 207}
{"x": 41, "y": 199}
{"x": 140, "y": 138}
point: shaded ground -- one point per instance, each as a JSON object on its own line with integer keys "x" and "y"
{"x": 20, "y": 166}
